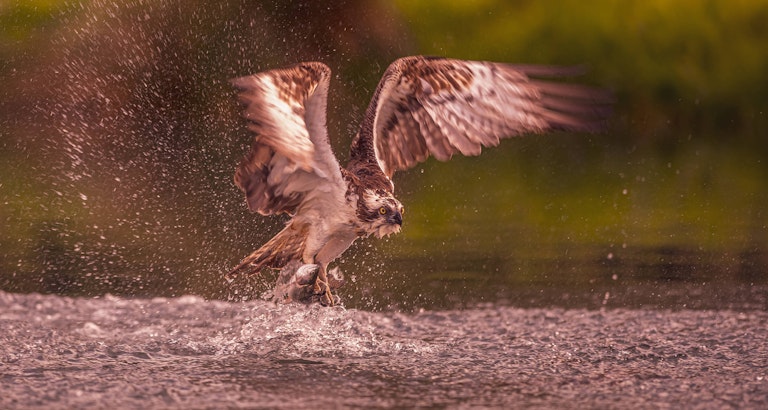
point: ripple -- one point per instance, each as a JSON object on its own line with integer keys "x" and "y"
{"x": 190, "y": 352}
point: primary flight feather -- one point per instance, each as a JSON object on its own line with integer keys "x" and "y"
{"x": 422, "y": 106}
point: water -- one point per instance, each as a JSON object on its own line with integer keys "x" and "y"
{"x": 186, "y": 352}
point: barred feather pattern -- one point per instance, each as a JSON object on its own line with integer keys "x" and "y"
{"x": 422, "y": 107}
{"x": 438, "y": 106}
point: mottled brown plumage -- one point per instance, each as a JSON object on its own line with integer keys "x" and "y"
{"x": 422, "y": 106}
{"x": 436, "y": 106}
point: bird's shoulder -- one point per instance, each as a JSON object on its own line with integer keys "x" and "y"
{"x": 366, "y": 175}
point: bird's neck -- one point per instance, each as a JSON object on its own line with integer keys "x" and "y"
{"x": 366, "y": 174}
{"x": 362, "y": 149}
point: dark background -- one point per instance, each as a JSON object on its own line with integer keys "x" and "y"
{"x": 119, "y": 135}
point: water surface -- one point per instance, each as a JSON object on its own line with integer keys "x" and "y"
{"x": 186, "y": 352}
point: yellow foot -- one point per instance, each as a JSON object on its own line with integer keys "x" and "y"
{"x": 324, "y": 291}
{"x": 323, "y": 288}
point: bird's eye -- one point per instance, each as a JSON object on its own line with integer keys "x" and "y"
{"x": 383, "y": 211}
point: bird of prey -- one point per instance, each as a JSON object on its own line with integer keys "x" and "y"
{"x": 423, "y": 106}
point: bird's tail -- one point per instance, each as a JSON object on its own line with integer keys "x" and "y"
{"x": 284, "y": 247}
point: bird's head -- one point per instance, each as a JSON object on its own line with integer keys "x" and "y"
{"x": 380, "y": 213}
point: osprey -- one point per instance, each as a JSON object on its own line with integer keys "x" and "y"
{"x": 422, "y": 106}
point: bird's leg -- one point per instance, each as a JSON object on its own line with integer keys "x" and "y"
{"x": 322, "y": 287}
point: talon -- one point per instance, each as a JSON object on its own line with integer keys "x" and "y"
{"x": 329, "y": 297}
{"x": 323, "y": 290}
{"x": 318, "y": 289}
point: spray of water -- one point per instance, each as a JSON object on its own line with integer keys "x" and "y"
{"x": 134, "y": 136}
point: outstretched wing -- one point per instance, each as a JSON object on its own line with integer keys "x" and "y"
{"x": 290, "y": 156}
{"x": 437, "y": 106}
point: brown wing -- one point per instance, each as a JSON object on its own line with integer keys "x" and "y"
{"x": 284, "y": 247}
{"x": 290, "y": 155}
{"x": 437, "y": 106}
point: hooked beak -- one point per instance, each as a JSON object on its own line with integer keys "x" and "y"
{"x": 396, "y": 218}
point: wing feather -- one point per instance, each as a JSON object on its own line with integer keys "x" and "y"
{"x": 437, "y": 106}
{"x": 290, "y": 155}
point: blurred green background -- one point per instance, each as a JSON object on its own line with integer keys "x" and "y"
{"x": 119, "y": 135}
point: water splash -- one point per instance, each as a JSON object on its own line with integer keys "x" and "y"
{"x": 182, "y": 352}
{"x": 136, "y": 135}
